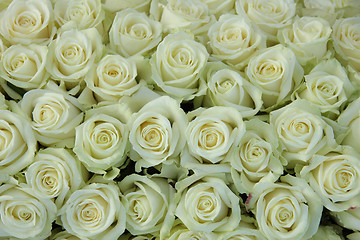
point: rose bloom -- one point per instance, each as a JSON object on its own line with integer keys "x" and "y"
{"x": 28, "y": 21}
{"x": 179, "y": 232}
{"x": 112, "y": 78}
{"x": 55, "y": 173}
{"x": 156, "y": 133}
{"x": 24, "y": 66}
{"x": 17, "y": 143}
{"x": 210, "y": 135}
{"x": 256, "y": 157}
{"x": 64, "y": 235}
{"x": 219, "y": 7}
{"x": 134, "y": 33}
{"x": 234, "y": 39}
{"x": 307, "y": 37}
{"x": 85, "y": 13}
{"x": 346, "y": 42}
{"x": 191, "y": 15}
{"x": 229, "y": 88}
{"x": 269, "y": 15}
{"x": 116, "y": 6}
{"x": 207, "y": 204}
{"x": 276, "y": 72}
{"x": 72, "y": 54}
{"x": 149, "y": 204}
{"x": 94, "y": 212}
{"x": 335, "y": 178}
{"x": 327, "y": 86}
{"x": 101, "y": 141}
{"x": 287, "y": 210}
{"x": 53, "y": 116}
{"x": 23, "y": 215}
{"x": 302, "y": 132}
{"x": 176, "y": 66}
{"x": 245, "y": 231}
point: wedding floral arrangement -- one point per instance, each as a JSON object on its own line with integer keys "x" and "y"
{"x": 180, "y": 119}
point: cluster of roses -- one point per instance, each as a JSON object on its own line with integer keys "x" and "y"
{"x": 179, "y": 119}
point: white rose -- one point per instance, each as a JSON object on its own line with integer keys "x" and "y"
{"x": 302, "y": 132}
{"x": 176, "y": 66}
{"x": 327, "y": 86}
{"x": 326, "y": 5}
{"x": 276, "y": 72}
{"x": 24, "y": 66}
{"x": 2, "y": 48}
{"x": 207, "y": 204}
{"x": 210, "y": 135}
{"x": 256, "y": 158}
{"x": 228, "y": 88}
{"x": 156, "y": 132}
{"x": 307, "y": 37}
{"x": 350, "y": 118}
{"x": 116, "y": 5}
{"x": 346, "y": 43}
{"x": 112, "y": 78}
{"x": 287, "y": 210}
{"x": 349, "y": 218}
{"x": 269, "y": 15}
{"x": 52, "y": 115}
{"x": 17, "y": 143}
{"x": 63, "y": 235}
{"x": 192, "y": 15}
{"x": 245, "y": 231}
{"x": 219, "y": 7}
{"x": 24, "y": 215}
{"x": 94, "y": 212}
{"x": 72, "y": 54}
{"x": 85, "y": 13}
{"x": 101, "y": 141}
{"x": 28, "y": 21}
{"x": 133, "y": 33}
{"x": 184, "y": 233}
{"x": 335, "y": 177}
{"x": 149, "y": 204}
{"x": 55, "y": 173}
{"x": 234, "y": 39}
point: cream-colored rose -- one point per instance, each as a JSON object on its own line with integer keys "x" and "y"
{"x": 234, "y": 39}
{"x": 54, "y": 174}
{"x": 85, "y": 13}
{"x": 307, "y": 37}
{"x": 94, "y": 212}
{"x": 349, "y": 218}
{"x": 149, "y": 204}
{"x": 181, "y": 232}
{"x": 133, "y": 33}
{"x": 326, "y": 5}
{"x": 302, "y": 132}
{"x": 287, "y": 210}
{"x": 269, "y": 15}
{"x": 116, "y": 5}
{"x": 176, "y": 66}
{"x": 327, "y": 86}
{"x": 335, "y": 177}
{"x": 53, "y": 116}
{"x": 219, "y": 7}
{"x": 72, "y": 54}
{"x": 157, "y": 132}
{"x": 101, "y": 141}
{"x": 191, "y": 15}
{"x": 228, "y": 88}
{"x": 350, "y": 118}
{"x": 210, "y": 135}
{"x": 112, "y": 78}
{"x": 64, "y": 235}
{"x": 256, "y": 158}
{"x": 345, "y": 34}
{"x": 276, "y": 72}
{"x": 23, "y": 215}
{"x": 24, "y": 66}
{"x": 245, "y": 231}
{"x": 28, "y": 21}
{"x": 207, "y": 204}
{"x": 17, "y": 143}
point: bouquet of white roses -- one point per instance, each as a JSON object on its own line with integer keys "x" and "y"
{"x": 179, "y": 119}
